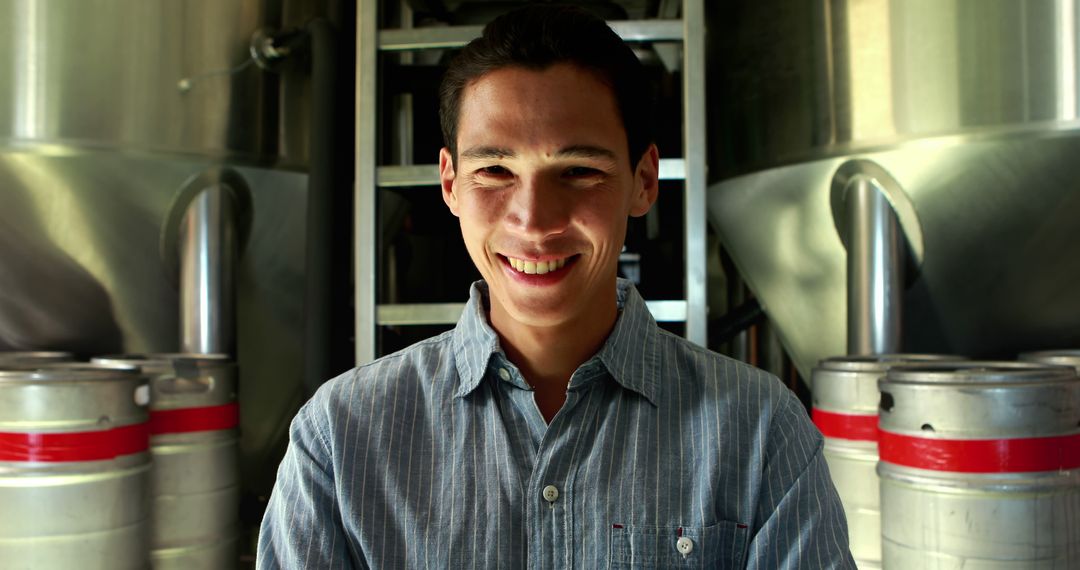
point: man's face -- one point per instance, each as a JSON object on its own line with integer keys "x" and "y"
{"x": 543, "y": 187}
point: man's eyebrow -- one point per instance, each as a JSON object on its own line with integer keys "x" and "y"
{"x": 487, "y": 152}
{"x": 586, "y": 151}
{"x": 574, "y": 151}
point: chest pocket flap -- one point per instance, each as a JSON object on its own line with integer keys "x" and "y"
{"x": 720, "y": 545}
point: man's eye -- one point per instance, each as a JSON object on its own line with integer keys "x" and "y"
{"x": 494, "y": 171}
{"x": 579, "y": 171}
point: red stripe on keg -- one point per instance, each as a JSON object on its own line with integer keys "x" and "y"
{"x": 846, "y": 426}
{"x": 74, "y": 446}
{"x": 185, "y": 420}
{"x": 1019, "y": 455}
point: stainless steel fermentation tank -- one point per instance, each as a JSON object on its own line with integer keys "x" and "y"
{"x": 957, "y": 118}
{"x": 119, "y": 121}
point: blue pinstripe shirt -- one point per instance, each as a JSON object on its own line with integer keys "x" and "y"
{"x": 664, "y": 455}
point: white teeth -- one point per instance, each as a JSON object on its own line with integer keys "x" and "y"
{"x": 536, "y": 267}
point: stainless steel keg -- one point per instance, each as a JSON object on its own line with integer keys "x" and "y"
{"x": 74, "y": 468}
{"x": 980, "y": 466}
{"x": 193, "y": 439}
{"x": 845, "y": 409}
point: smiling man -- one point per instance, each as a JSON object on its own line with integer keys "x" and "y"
{"x": 556, "y": 426}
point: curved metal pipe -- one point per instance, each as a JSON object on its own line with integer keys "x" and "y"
{"x": 874, "y": 270}
{"x": 208, "y": 253}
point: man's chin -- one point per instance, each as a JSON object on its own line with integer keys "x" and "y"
{"x": 539, "y": 309}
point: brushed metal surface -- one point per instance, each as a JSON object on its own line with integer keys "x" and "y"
{"x": 971, "y": 105}
{"x": 997, "y": 218}
{"x": 980, "y": 400}
{"x": 973, "y": 522}
{"x": 110, "y": 74}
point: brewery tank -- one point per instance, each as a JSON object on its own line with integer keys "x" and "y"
{"x": 968, "y": 107}
{"x": 109, "y": 112}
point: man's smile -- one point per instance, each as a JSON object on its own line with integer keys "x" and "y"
{"x": 539, "y": 271}
{"x": 538, "y": 267}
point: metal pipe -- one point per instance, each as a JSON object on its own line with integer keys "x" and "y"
{"x": 208, "y": 253}
{"x": 322, "y": 181}
{"x": 694, "y": 109}
{"x": 365, "y": 191}
{"x": 874, "y": 270}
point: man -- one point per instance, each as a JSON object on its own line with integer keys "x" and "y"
{"x": 556, "y": 426}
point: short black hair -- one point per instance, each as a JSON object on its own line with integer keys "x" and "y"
{"x": 539, "y": 36}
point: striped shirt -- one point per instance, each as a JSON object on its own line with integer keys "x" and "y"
{"x": 664, "y": 455}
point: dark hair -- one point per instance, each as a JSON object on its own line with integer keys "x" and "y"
{"x": 538, "y": 36}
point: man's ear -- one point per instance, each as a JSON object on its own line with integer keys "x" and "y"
{"x": 446, "y": 180}
{"x": 646, "y": 182}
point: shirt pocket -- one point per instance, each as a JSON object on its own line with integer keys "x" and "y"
{"x": 720, "y": 545}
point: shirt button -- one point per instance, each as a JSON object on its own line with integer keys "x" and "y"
{"x": 684, "y": 545}
{"x": 504, "y": 374}
{"x": 551, "y": 494}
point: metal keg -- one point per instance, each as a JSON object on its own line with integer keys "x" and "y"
{"x": 980, "y": 466}
{"x": 845, "y": 410}
{"x": 35, "y": 357}
{"x": 193, "y": 439}
{"x": 74, "y": 468}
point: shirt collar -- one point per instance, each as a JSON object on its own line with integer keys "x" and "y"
{"x": 628, "y": 354}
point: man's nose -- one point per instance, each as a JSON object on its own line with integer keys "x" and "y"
{"x": 539, "y": 208}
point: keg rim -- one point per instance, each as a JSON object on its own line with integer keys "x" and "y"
{"x": 33, "y": 356}
{"x": 1065, "y": 357}
{"x": 67, "y": 371}
{"x": 973, "y": 372}
{"x": 164, "y": 358}
{"x": 879, "y": 362}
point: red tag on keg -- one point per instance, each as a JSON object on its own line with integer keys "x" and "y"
{"x": 74, "y": 446}
{"x": 1018, "y": 455}
{"x": 186, "y": 420}
{"x": 846, "y": 426}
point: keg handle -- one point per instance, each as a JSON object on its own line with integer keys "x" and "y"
{"x": 887, "y": 402}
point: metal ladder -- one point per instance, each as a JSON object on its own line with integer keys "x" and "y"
{"x": 370, "y": 178}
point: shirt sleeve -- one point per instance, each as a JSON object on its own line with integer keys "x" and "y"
{"x": 302, "y": 527}
{"x": 801, "y": 522}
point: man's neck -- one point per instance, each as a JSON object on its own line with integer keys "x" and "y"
{"x": 548, "y": 356}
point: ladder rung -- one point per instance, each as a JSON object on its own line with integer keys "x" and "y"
{"x": 448, "y": 313}
{"x": 428, "y": 174}
{"x": 442, "y": 37}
